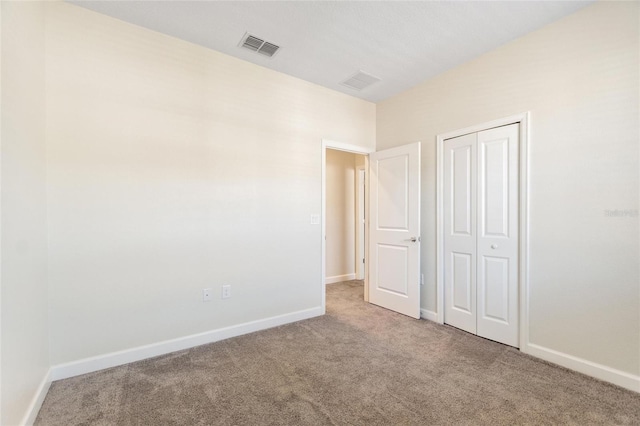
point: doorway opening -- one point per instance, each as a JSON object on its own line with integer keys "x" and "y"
{"x": 344, "y": 216}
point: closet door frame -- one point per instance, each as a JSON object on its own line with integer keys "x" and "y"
{"x": 523, "y": 120}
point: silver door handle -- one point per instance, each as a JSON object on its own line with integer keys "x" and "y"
{"x": 413, "y": 239}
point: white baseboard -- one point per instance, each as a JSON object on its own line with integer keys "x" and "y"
{"x": 34, "y": 407}
{"x": 127, "y": 356}
{"x": 339, "y": 278}
{"x": 599, "y": 371}
{"x": 428, "y": 315}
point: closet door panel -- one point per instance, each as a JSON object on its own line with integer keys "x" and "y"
{"x": 460, "y": 232}
{"x": 497, "y": 239}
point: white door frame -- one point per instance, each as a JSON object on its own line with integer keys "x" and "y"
{"x": 523, "y": 256}
{"x": 340, "y": 146}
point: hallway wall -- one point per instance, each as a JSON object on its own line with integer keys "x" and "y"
{"x": 340, "y": 219}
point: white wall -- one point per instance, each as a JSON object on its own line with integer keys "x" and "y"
{"x": 340, "y": 216}
{"x": 24, "y": 331}
{"x": 579, "y": 77}
{"x": 172, "y": 168}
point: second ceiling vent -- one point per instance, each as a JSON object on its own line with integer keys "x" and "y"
{"x": 258, "y": 45}
{"x": 360, "y": 80}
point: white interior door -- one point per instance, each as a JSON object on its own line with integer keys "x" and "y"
{"x": 394, "y": 235}
{"x": 481, "y": 233}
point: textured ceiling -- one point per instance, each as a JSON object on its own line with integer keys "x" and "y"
{"x": 402, "y": 43}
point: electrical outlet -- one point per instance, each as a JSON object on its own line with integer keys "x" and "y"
{"x": 226, "y": 291}
{"x": 206, "y": 294}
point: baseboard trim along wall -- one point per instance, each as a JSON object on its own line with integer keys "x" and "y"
{"x": 599, "y": 371}
{"x": 38, "y": 398}
{"x": 114, "y": 359}
{"x": 428, "y": 315}
{"x": 589, "y": 368}
{"x": 339, "y": 278}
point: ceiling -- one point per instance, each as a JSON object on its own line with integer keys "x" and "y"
{"x": 326, "y": 42}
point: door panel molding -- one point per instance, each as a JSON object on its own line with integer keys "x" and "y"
{"x": 523, "y": 119}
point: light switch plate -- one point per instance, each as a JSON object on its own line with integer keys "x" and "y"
{"x": 315, "y": 219}
{"x": 206, "y": 294}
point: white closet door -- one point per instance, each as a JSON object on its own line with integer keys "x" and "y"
{"x": 460, "y": 232}
{"x": 481, "y": 233}
{"x": 497, "y": 249}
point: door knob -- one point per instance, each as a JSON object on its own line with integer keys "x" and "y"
{"x": 494, "y": 246}
{"x": 413, "y": 239}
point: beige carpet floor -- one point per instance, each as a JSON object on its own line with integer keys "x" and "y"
{"x": 357, "y": 365}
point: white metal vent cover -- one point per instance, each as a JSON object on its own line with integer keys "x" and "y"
{"x": 258, "y": 45}
{"x": 360, "y": 80}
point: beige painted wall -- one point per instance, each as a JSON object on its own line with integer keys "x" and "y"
{"x": 24, "y": 338}
{"x": 172, "y": 168}
{"x": 340, "y": 214}
{"x": 579, "y": 77}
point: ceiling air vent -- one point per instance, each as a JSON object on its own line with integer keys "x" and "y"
{"x": 360, "y": 81}
{"x": 258, "y": 45}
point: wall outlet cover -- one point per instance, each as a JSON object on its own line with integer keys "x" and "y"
{"x": 226, "y": 291}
